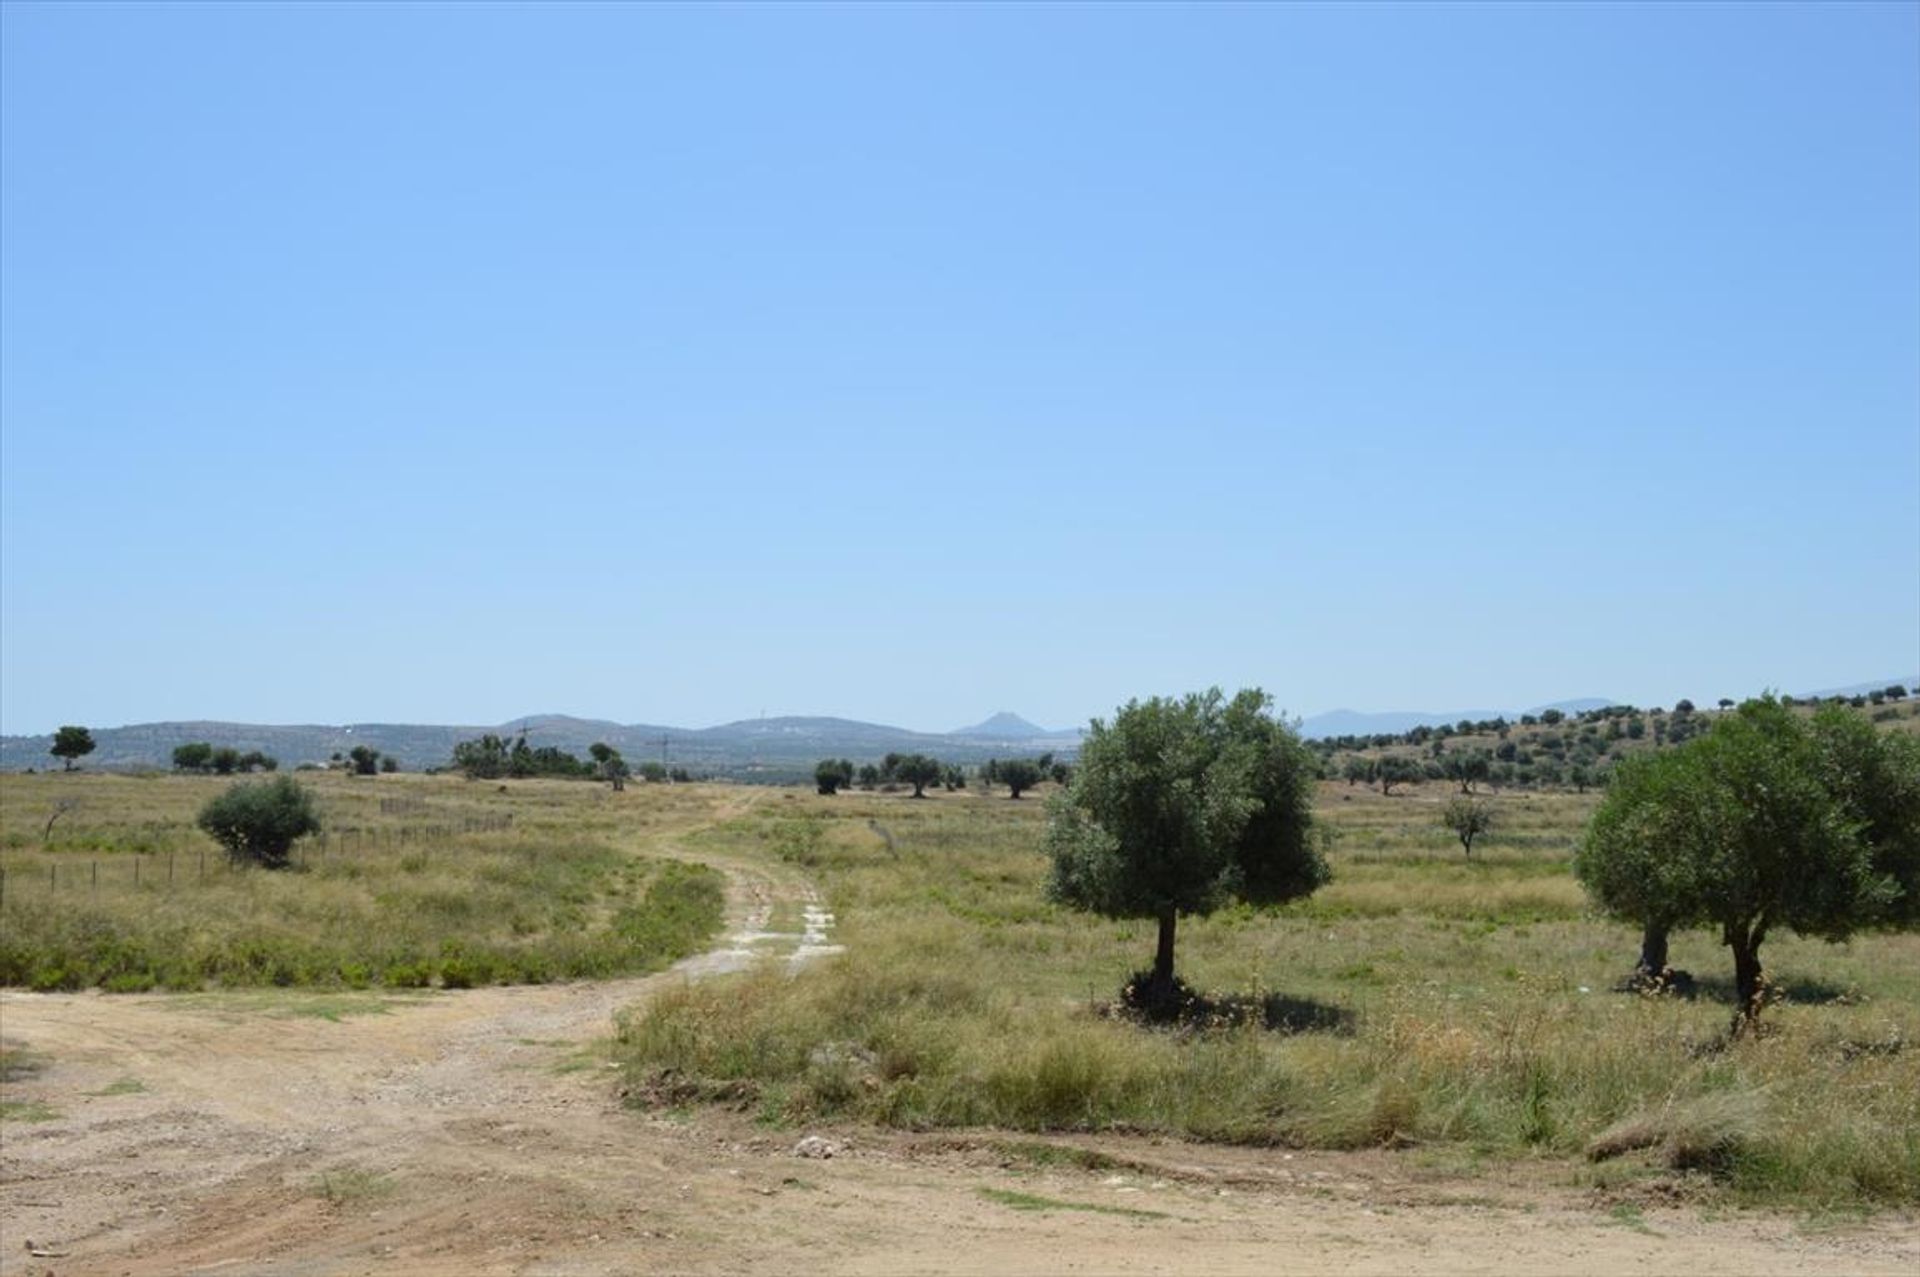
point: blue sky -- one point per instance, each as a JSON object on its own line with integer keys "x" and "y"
{"x": 906, "y": 363}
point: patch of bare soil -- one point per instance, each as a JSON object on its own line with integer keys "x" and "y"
{"x": 481, "y": 1132}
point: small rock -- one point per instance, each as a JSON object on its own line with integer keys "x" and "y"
{"x": 815, "y": 1146}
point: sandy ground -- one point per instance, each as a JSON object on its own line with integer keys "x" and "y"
{"x": 482, "y": 1132}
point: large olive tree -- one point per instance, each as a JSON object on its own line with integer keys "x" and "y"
{"x": 1178, "y": 806}
{"x": 1745, "y": 829}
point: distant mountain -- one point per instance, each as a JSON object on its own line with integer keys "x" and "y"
{"x": 1578, "y": 705}
{"x": 1346, "y": 722}
{"x": 1004, "y": 725}
{"x": 1911, "y": 682}
{"x": 756, "y": 746}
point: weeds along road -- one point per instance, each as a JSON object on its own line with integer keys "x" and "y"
{"x": 481, "y": 1132}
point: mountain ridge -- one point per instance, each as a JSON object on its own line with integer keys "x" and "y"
{"x": 751, "y": 746}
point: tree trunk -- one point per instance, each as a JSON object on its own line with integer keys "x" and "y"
{"x": 1163, "y": 955}
{"x": 1749, "y": 985}
{"x": 1653, "y": 950}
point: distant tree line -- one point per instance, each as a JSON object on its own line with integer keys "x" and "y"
{"x": 207, "y": 759}
{"x": 492, "y": 758}
{"x": 832, "y": 775}
{"x": 1556, "y": 750}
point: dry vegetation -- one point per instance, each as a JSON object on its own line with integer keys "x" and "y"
{"x": 419, "y": 881}
{"x": 1461, "y": 1007}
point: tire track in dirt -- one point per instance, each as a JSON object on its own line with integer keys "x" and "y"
{"x": 244, "y": 1105}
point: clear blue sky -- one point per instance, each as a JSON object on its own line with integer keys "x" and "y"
{"x": 674, "y": 364}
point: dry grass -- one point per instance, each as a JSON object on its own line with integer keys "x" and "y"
{"x": 1468, "y": 1006}
{"x": 418, "y": 881}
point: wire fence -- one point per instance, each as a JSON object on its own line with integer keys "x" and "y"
{"x": 66, "y": 873}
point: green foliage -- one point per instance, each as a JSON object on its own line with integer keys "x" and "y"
{"x": 1875, "y": 776}
{"x": 200, "y": 756}
{"x": 1017, "y": 774}
{"x": 71, "y": 742}
{"x": 1180, "y": 806}
{"x": 1395, "y": 769}
{"x": 491, "y": 757}
{"x": 258, "y": 822}
{"x": 483, "y": 759}
{"x": 365, "y": 760}
{"x": 1468, "y": 818}
{"x": 609, "y": 765}
{"x": 1468, "y": 768}
{"x": 831, "y": 775}
{"x": 1741, "y": 830}
{"x": 919, "y": 771}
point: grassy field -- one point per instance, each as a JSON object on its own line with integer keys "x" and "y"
{"x": 1421, "y": 999}
{"x": 418, "y": 881}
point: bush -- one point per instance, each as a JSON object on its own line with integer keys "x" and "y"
{"x": 258, "y": 823}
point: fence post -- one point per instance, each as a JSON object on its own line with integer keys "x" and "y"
{"x": 96, "y": 877}
{"x": 136, "y": 869}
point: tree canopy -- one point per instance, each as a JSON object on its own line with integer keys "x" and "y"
{"x": 1179, "y": 806}
{"x": 1760, "y": 824}
{"x": 919, "y": 771}
{"x": 259, "y": 821}
{"x": 71, "y": 742}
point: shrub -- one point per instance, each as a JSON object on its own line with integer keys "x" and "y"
{"x": 258, "y": 822}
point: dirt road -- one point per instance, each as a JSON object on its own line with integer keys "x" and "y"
{"x": 480, "y": 1132}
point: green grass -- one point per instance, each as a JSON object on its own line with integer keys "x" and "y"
{"x": 555, "y": 895}
{"x": 1035, "y": 1202}
{"x": 350, "y": 1186}
{"x": 120, "y": 1086}
{"x": 18, "y": 1062}
{"x": 1461, "y": 1007}
{"x": 27, "y": 1111}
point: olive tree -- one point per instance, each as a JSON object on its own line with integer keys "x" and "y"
{"x": 258, "y": 822}
{"x": 1741, "y": 830}
{"x": 194, "y": 756}
{"x": 1017, "y": 774}
{"x": 1396, "y": 770}
{"x": 1178, "y": 806}
{"x": 919, "y": 771}
{"x": 1468, "y": 818}
{"x": 832, "y": 775}
{"x": 70, "y": 743}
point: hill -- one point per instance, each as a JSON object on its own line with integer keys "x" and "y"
{"x": 747, "y": 747}
{"x": 1004, "y": 725}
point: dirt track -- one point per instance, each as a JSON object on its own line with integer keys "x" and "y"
{"x": 479, "y": 1132}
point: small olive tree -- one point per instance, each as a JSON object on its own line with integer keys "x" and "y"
{"x": 71, "y": 742}
{"x": 1179, "y": 806}
{"x": 1468, "y": 818}
{"x": 919, "y": 771}
{"x": 1017, "y": 774}
{"x": 831, "y": 775}
{"x": 257, "y": 822}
